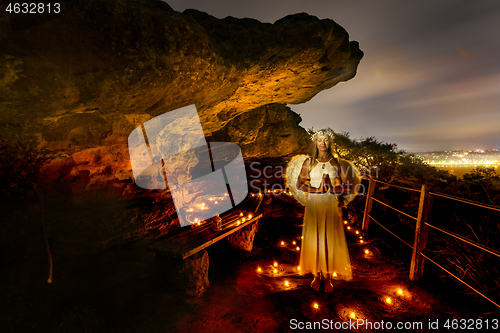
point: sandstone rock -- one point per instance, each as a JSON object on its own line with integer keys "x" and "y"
{"x": 82, "y": 81}
{"x": 189, "y": 276}
{"x": 243, "y": 238}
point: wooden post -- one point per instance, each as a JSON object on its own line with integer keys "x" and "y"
{"x": 368, "y": 204}
{"x": 421, "y": 233}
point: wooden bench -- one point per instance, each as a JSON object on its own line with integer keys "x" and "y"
{"x": 187, "y": 242}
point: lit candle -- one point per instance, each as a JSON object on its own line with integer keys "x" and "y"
{"x": 243, "y": 220}
{"x": 334, "y": 274}
{"x": 366, "y": 251}
{"x": 238, "y": 222}
{"x": 298, "y": 268}
{"x": 294, "y": 243}
{"x": 216, "y": 202}
{"x": 275, "y": 264}
{"x": 360, "y": 237}
{"x": 275, "y": 271}
{"x": 357, "y": 232}
{"x": 345, "y": 222}
{"x": 286, "y": 284}
{"x": 301, "y": 237}
{"x": 388, "y": 300}
{"x": 400, "y": 292}
{"x": 250, "y": 216}
{"x": 259, "y": 269}
{"x": 353, "y": 315}
{"x": 348, "y": 228}
{"x": 316, "y": 305}
{"x": 298, "y": 248}
{"x": 361, "y": 241}
{"x": 282, "y": 243}
{"x": 253, "y": 195}
{"x": 241, "y": 214}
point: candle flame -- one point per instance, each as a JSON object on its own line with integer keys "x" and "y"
{"x": 388, "y": 300}
{"x": 353, "y": 315}
{"x": 316, "y": 305}
{"x": 275, "y": 264}
{"x": 286, "y": 283}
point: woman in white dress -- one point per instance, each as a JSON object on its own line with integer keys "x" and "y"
{"x": 324, "y": 250}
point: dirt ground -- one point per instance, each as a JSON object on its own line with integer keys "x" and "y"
{"x": 117, "y": 291}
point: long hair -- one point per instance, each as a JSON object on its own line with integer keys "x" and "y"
{"x": 314, "y": 146}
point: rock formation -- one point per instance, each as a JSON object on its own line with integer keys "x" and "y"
{"x": 82, "y": 80}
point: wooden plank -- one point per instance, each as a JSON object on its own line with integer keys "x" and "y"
{"x": 368, "y": 204}
{"x": 180, "y": 249}
{"x": 188, "y": 242}
{"x": 218, "y": 238}
{"x": 421, "y": 233}
{"x": 192, "y": 240}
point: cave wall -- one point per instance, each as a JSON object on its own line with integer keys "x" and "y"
{"x": 81, "y": 81}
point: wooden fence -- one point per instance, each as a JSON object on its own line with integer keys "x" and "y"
{"x": 422, "y": 228}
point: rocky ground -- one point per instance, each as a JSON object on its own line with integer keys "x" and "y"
{"x": 117, "y": 290}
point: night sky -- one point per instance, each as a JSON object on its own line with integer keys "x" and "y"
{"x": 430, "y": 77}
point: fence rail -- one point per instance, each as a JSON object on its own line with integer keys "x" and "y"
{"x": 422, "y": 228}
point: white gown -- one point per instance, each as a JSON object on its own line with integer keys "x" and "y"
{"x": 324, "y": 246}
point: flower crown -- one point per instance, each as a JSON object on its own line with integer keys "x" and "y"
{"x": 323, "y": 132}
